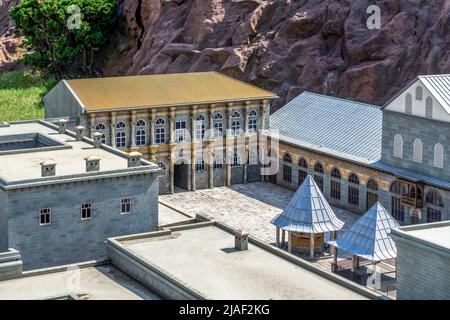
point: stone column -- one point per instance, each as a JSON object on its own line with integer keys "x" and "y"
{"x": 355, "y": 262}
{"x": 211, "y": 122}
{"x": 262, "y": 115}
{"x": 193, "y": 119}
{"x": 246, "y": 116}
{"x": 229, "y": 159}
{"x": 278, "y": 237}
{"x": 91, "y": 124}
{"x": 152, "y": 127}
{"x": 133, "y": 128}
{"x": 171, "y": 173}
{"x": 172, "y": 125}
{"x": 311, "y": 249}
{"x": 193, "y": 171}
{"x": 211, "y": 168}
{"x": 289, "y": 241}
{"x": 229, "y": 119}
{"x": 335, "y": 257}
{"x": 113, "y": 129}
{"x": 246, "y": 151}
{"x": 283, "y": 238}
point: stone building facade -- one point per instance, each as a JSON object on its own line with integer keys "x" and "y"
{"x": 199, "y": 140}
{"x": 406, "y": 170}
{"x": 62, "y": 195}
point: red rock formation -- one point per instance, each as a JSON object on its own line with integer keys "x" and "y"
{"x": 288, "y": 46}
{"x": 8, "y": 42}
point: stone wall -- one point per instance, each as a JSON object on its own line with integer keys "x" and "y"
{"x": 69, "y": 239}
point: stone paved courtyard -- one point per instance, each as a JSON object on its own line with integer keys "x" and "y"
{"x": 248, "y": 206}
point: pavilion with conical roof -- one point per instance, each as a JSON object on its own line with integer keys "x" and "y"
{"x": 306, "y": 218}
{"x": 369, "y": 237}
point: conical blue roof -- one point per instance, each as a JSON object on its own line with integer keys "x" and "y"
{"x": 369, "y": 237}
{"x": 308, "y": 211}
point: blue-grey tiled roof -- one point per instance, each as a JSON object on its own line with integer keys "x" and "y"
{"x": 339, "y": 127}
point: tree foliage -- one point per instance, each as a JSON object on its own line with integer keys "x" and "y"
{"x": 59, "y": 32}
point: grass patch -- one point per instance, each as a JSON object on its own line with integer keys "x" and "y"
{"x": 21, "y": 95}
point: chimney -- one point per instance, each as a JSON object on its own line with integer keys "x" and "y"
{"x": 48, "y": 168}
{"x": 134, "y": 159}
{"x": 79, "y": 131}
{"x": 62, "y": 125}
{"x": 241, "y": 240}
{"x": 97, "y": 136}
{"x": 92, "y": 163}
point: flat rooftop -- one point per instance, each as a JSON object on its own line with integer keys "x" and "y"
{"x": 96, "y": 283}
{"x": 435, "y": 235}
{"x": 69, "y": 154}
{"x": 203, "y": 257}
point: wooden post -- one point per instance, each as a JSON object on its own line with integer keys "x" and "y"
{"x": 355, "y": 262}
{"x": 311, "y": 249}
{"x": 335, "y": 256}
{"x": 289, "y": 242}
{"x": 283, "y": 238}
{"x": 278, "y": 237}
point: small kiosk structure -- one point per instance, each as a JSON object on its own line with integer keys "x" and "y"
{"x": 306, "y": 219}
{"x": 369, "y": 238}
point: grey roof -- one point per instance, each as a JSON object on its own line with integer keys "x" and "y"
{"x": 369, "y": 237}
{"x": 411, "y": 175}
{"x": 343, "y": 128}
{"x": 308, "y": 211}
{"x": 439, "y": 86}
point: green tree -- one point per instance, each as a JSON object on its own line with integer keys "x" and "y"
{"x": 59, "y": 33}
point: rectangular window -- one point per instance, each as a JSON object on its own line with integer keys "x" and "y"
{"x": 319, "y": 180}
{"x": 398, "y": 210}
{"x": 301, "y": 176}
{"x": 353, "y": 195}
{"x": 45, "y": 216}
{"x": 218, "y": 129}
{"x": 336, "y": 189}
{"x": 125, "y": 206}
{"x": 180, "y": 131}
{"x": 86, "y": 211}
{"x": 287, "y": 173}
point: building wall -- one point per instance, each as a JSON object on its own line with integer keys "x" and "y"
{"x": 68, "y": 239}
{"x": 364, "y": 173}
{"x": 3, "y": 221}
{"x": 60, "y": 103}
{"x": 410, "y": 127}
{"x": 422, "y": 274}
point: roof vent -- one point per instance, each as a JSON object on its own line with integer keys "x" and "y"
{"x": 92, "y": 163}
{"x": 62, "y": 126}
{"x": 48, "y": 168}
{"x": 134, "y": 159}
{"x": 241, "y": 240}
{"x": 97, "y": 139}
{"x": 79, "y": 131}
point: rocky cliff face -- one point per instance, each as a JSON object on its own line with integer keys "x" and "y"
{"x": 286, "y": 46}
{"x": 8, "y": 42}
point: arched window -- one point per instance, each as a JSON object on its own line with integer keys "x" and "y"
{"x": 318, "y": 176}
{"x": 160, "y": 122}
{"x": 121, "y": 125}
{"x": 163, "y": 168}
{"x": 140, "y": 123}
{"x": 408, "y": 103}
{"x": 398, "y": 146}
{"x": 140, "y": 137}
{"x": 287, "y": 169}
{"x": 429, "y": 108}
{"x": 160, "y": 136}
{"x": 435, "y": 205}
{"x": 100, "y": 127}
{"x": 236, "y": 115}
{"x": 438, "y": 155}
{"x": 418, "y": 93}
{"x": 121, "y": 139}
{"x": 218, "y": 125}
{"x": 353, "y": 189}
{"x": 302, "y": 173}
{"x": 335, "y": 184}
{"x": 200, "y": 127}
{"x": 372, "y": 193}
{"x": 417, "y": 150}
{"x": 397, "y": 208}
{"x": 252, "y": 122}
{"x": 287, "y": 158}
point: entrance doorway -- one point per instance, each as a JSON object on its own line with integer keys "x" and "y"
{"x": 181, "y": 172}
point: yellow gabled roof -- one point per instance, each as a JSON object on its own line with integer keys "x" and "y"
{"x": 131, "y": 92}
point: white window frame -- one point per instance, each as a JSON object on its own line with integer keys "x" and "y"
{"x": 141, "y": 137}
{"x": 124, "y": 203}
{"x": 180, "y": 133}
{"x": 86, "y": 207}
{"x": 160, "y": 135}
{"x": 417, "y": 150}
{"x": 438, "y": 161}
{"x": 398, "y": 146}
{"x": 121, "y": 139}
{"x": 43, "y": 212}
{"x": 121, "y": 125}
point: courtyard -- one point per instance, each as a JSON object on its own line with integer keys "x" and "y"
{"x": 251, "y": 207}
